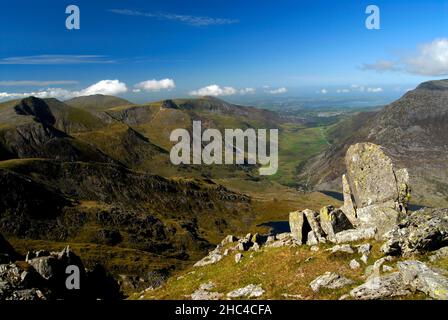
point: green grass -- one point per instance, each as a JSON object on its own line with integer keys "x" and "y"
{"x": 290, "y": 274}
{"x": 297, "y": 144}
{"x": 279, "y": 271}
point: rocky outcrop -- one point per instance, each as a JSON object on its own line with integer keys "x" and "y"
{"x": 412, "y": 276}
{"x": 421, "y": 231}
{"x": 204, "y": 292}
{"x": 330, "y": 280}
{"x": 418, "y": 276}
{"x": 42, "y": 276}
{"x": 387, "y": 286}
{"x": 379, "y": 196}
{"x": 250, "y": 291}
{"x": 380, "y": 192}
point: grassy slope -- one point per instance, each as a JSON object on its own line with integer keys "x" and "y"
{"x": 293, "y": 270}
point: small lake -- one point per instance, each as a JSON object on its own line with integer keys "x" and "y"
{"x": 276, "y": 227}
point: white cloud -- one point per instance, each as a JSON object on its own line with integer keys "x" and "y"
{"x": 374, "y": 90}
{"x": 430, "y": 59}
{"x": 214, "y": 90}
{"x": 247, "y": 91}
{"x": 343, "y": 90}
{"x": 107, "y": 87}
{"x": 155, "y": 85}
{"x": 323, "y": 91}
{"x": 47, "y": 93}
{"x": 278, "y": 90}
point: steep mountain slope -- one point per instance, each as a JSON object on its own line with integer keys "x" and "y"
{"x": 40, "y": 128}
{"x": 414, "y": 132}
{"x": 108, "y": 204}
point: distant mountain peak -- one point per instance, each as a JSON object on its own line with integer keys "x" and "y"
{"x": 98, "y": 102}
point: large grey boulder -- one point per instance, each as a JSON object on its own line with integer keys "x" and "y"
{"x": 380, "y": 191}
{"x": 370, "y": 173}
{"x": 419, "y": 276}
{"x": 380, "y": 287}
{"x": 330, "y": 280}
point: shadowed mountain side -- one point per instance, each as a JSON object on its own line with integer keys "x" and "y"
{"x": 52, "y": 200}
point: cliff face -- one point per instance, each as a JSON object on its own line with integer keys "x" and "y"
{"x": 414, "y": 133}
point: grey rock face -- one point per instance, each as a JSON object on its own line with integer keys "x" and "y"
{"x": 296, "y": 220}
{"x": 355, "y": 235}
{"x": 329, "y": 280}
{"x": 348, "y": 208}
{"x": 354, "y": 264}
{"x": 333, "y": 221}
{"x": 250, "y": 291}
{"x": 370, "y": 174}
{"x": 381, "y": 193}
{"x": 313, "y": 218}
{"x": 378, "y": 264}
{"x": 229, "y": 239}
{"x": 47, "y": 267}
{"x": 312, "y": 239}
{"x": 364, "y": 249}
{"x": 383, "y": 216}
{"x": 345, "y": 248}
{"x": 204, "y": 293}
{"x": 423, "y": 230}
{"x": 419, "y": 276}
{"x": 439, "y": 254}
{"x": 212, "y": 258}
{"x": 387, "y": 286}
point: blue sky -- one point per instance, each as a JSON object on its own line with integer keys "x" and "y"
{"x": 244, "y": 48}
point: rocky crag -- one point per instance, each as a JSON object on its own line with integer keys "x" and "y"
{"x": 375, "y": 211}
{"x": 41, "y": 275}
